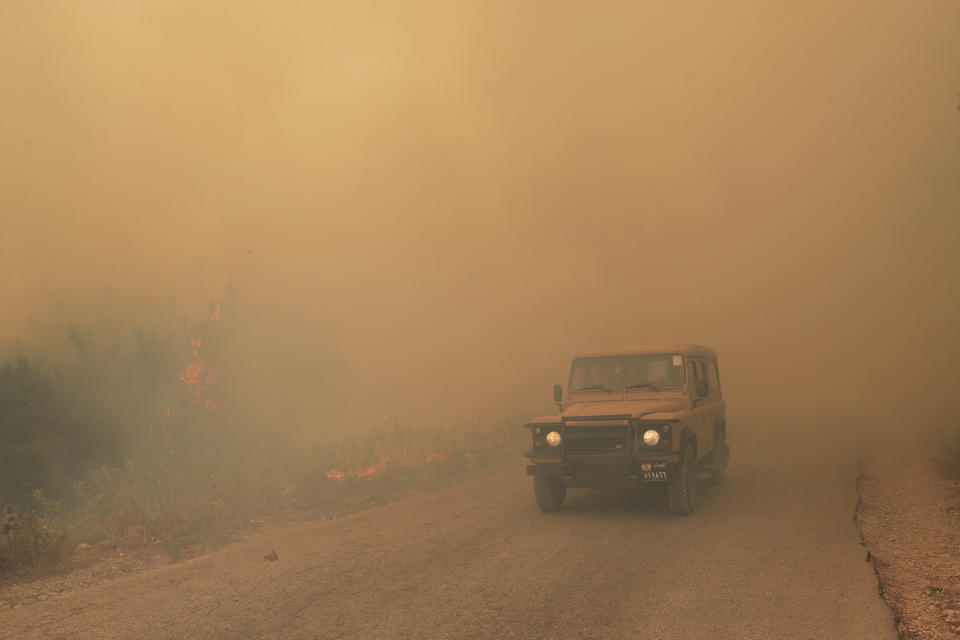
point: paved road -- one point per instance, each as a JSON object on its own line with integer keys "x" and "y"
{"x": 772, "y": 554}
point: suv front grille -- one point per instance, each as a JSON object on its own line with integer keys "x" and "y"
{"x": 596, "y": 442}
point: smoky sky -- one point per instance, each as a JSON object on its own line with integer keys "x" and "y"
{"x": 428, "y": 207}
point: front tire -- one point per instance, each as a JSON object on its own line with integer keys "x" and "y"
{"x": 682, "y": 486}
{"x": 549, "y": 492}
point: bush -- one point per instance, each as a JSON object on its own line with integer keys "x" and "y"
{"x": 47, "y": 437}
{"x": 39, "y": 538}
{"x": 128, "y": 444}
{"x": 92, "y": 408}
{"x": 196, "y": 496}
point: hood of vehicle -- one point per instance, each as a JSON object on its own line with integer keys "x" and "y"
{"x": 635, "y": 408}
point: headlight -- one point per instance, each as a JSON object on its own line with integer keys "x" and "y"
{"x": 553, "y": 439}
{"x": 651, "y": 437}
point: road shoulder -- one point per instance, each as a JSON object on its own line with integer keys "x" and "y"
{"x": 909, "y": 516}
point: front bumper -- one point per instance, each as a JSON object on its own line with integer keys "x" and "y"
{"x": 586, "y": 475}
{"x": 604, "y": 451}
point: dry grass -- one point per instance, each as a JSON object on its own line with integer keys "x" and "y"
{"x": 188, "y": 501}
{"x": 194, "y": 473}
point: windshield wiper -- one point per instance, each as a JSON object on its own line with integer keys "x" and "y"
{"x": 595, "y": 387}
{"x": 644, "y": 385}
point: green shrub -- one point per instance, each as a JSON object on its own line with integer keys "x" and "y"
{"x": 39, "y": 538}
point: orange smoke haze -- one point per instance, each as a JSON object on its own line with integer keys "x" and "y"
{"x": 427, "y": 208}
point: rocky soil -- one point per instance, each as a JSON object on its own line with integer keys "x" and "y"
{"x": 909, "y": 516}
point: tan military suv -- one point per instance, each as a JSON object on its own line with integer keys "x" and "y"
{"x": 648, "y": 417}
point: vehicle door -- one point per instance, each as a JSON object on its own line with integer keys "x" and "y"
{"x": 701, "y": 414}
{"x": 716, "y": 404}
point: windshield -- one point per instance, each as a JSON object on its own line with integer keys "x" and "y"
{"x": 627, "y": 372}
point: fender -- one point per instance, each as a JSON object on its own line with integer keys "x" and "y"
{"x": 687, "y": 436}
{"x": 719, "y": 430}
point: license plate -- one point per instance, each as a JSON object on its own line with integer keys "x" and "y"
{"x": 656, "y": 473}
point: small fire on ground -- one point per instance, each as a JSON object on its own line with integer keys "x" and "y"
{"x": 470, "y": 458}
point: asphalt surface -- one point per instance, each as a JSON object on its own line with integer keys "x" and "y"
{"x": 773, "y": 553}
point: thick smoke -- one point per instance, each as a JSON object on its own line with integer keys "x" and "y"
{"x": 427, "y": 208}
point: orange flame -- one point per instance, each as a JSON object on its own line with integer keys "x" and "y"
{"x": 196, "y": 378}
{"x": 497, "y": 442}
{"x": 374, "y": 470}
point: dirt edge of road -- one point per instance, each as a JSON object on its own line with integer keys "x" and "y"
{"x": 908, "y": 515}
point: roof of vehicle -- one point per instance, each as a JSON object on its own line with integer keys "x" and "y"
{"x": 684, "y": 348}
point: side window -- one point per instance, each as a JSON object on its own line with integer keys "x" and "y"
{"x": 713, "y": 377}
{"x": 699, "y": 378}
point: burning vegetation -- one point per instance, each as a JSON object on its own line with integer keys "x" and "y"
{"x": 468, "y": 451}
{"x": 192, "y": 472}
{"x": 195, "y": 381}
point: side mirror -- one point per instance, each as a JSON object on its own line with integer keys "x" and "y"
{"x": 557, "y": 393}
